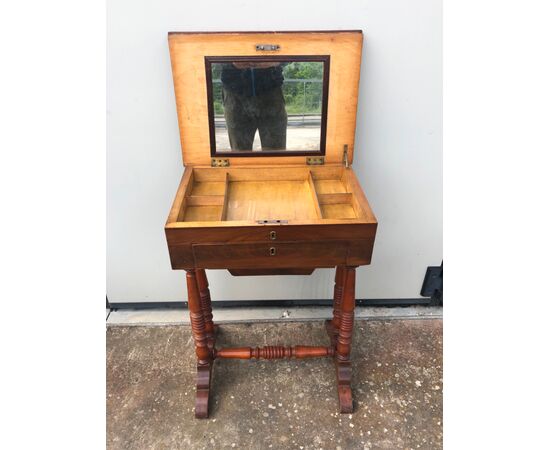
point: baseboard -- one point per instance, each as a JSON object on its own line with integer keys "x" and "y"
{"x": 383, "y": 302}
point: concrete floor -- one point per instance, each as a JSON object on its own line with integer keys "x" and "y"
{"x": 297, "y": 138}
{"x": 177, "y": 316}
{"x": 397, "y": 384}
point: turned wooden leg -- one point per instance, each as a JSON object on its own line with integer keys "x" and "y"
{"x": 332, "y": 326}
{"x": 204, "y": 354}
{"x": 343, "y": 341}
{"x": 206, "y": 305}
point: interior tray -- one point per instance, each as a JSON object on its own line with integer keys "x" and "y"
{"x": 296, "y": 194}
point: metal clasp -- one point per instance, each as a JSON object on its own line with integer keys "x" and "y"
{"x": 272, "y": 222}
{"x": 346, "y": 163}
{"x": 267, "y": 47}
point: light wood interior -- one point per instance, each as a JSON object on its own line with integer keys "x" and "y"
{"x": 293, "y": 194}
{"x": 187, "y": 52}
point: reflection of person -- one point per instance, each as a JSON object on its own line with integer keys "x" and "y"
{"x": 253, "y": 100}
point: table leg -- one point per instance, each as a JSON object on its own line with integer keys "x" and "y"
{"x": 343, "y": 341}
{"x": 206, "y": 305}
{"x": 204, "y": 354}
{"x": 332, "y": 326}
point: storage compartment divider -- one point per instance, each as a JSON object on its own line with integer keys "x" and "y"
{"x": 352, "y": 185}
{"x": 202, "y": 201}
{"x": 331, "y": 199}
{"x": 316, "y": 204}
{"x": 205, "y": 200}
{"x": 225, "y": 198}
{"x": 334, "y": 198}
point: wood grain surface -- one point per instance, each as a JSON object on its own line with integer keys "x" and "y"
{"x": 187, "y": 52}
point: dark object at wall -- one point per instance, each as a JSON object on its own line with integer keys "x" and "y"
{"x": 433, "y": 285}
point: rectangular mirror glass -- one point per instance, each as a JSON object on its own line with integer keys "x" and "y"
{"x": 267, "y": 105}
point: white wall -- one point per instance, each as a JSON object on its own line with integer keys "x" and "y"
{"x": 398, "y": 143}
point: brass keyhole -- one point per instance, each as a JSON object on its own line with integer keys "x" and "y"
{"x": 273, "y": 235}
{"x": 272, "y": 251}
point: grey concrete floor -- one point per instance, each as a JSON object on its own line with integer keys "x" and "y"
{"x": 176, "y": 316}
{"x": 281, "y": 404}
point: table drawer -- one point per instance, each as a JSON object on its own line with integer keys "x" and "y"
{"x": 282, "y": 233}
{"x": 271, "y": 255}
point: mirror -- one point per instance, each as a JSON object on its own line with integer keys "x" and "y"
{"x": 267, "y": 105}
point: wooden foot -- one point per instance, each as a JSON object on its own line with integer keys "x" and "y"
{"x": 204, "y": 376}
{"x": 343, "y": 375}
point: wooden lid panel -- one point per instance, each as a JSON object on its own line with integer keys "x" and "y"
{"x": 187, "y": 52}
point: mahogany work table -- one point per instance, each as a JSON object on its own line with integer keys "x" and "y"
{"x": 267, "y": 127}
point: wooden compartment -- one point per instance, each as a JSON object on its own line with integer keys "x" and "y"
{"x": 268, "y": 211}
{"x": 285, "y": 194}
{"x": 285, "y": 200}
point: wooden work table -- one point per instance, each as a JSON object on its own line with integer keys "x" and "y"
{"x": 269, "y": 213}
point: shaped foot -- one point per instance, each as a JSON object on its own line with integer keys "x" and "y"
{"x": 204, "y": 375}
{"x": 345, "y": 397}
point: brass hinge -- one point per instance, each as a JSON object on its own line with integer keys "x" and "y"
{"x": 346, "y": 162}
{"x": 219, "y": 162}
{"x": 315, "y": 160}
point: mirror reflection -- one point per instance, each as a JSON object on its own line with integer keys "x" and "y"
{"x": 267, "y": 105}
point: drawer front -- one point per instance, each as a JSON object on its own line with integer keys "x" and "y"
{"x": 281, "y": 233}
{"x": 271, "y": 254}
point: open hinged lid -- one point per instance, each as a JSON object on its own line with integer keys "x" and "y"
{"x": 276, "y": 98}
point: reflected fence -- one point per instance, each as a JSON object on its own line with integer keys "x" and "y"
{"x": 303, "y": 98}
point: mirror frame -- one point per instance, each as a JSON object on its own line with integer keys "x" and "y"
{"x": 209, "y": 60}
